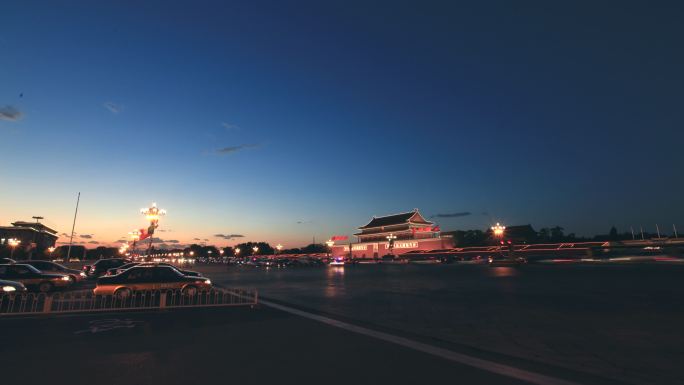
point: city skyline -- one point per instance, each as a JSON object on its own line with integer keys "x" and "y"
{"x": 282, "y": 124}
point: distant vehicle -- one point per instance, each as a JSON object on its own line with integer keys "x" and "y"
{"x": 7, "y": 261}
{"x": 33, "y": 278}
{"x": 149, "y": 277}
{"x": 100, "y": 267}
{"x": 337, "y": 261}
{"x": 506, "y": 261}
{"x": 52, "y": 267}
{"x": 9, "y": 287}
{"x": 117, "y": 270}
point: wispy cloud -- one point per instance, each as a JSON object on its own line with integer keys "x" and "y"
{"x": 234, "y": 149}
{"x": 112, "y": 107}
{"x": 229, "y": 126}
{"x": 94, "y": 242}
{"x": 229, "y": 236}
{"x": 120, "y": 241}
{"x": 86, "y": 236}
{"x": 303, "y": 222}
{"x": 452, "y": 215}
{"x": 10, "y": 113}
{"x": 196, "y": 239}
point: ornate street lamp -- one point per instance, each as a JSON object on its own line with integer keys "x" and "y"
{"x": 498, "y": 230}
{"x": 255, "y": 249}
{"x": 278, "y": 248}
{"x": 152, "y": 214}
{"x": 236, "y": 251}
{"x": 330, "y": 243}
{"x": 13, "y": 243}
{"x": 390, "y": 239}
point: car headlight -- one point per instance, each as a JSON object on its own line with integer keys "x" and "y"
{"x": 65, "y": 278}
{"x": 82, "y": 274}
{"x": 9, "y": 289}
{"x": 208, "y": 281}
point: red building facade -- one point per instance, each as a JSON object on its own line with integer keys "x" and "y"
{"x": 394, "y": 234}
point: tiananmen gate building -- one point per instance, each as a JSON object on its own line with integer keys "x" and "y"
{"x": 412, "y": 231}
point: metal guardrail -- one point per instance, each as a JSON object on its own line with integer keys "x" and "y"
{"x": 85, "y": 301}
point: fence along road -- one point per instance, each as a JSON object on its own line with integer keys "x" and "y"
{"x": 85, "y": 301}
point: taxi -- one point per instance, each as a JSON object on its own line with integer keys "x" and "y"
{"x": 33, "y": 278}
{"x": 150, "y": 277}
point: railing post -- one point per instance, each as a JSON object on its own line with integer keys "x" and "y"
{"x": 47, "y": 305}
{"x": 162, "y": 300}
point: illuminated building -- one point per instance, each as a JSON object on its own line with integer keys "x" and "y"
{"x": 32, "y": 235}
{"x": 408, "y": 231}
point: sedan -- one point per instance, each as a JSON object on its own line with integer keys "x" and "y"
{"x": 52, "y": 267}
{"x": 34, "y": 278}
{"x": 151, "y": 277}
{"x": 10, "y": 287}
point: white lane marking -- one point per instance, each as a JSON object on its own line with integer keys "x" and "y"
{"x": 490, "y": 366}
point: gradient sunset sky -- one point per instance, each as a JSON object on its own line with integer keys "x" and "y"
{"x": 284, "y": 120}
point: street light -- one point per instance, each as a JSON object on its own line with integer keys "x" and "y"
{"x": 13, "y": 242}
{"x": 498, "y": 230}
{"x": 390, "y": 239}
{"x": 330, "y": 243}
{"x": 278, "y": 248}
{"x": 152, "y": 214}
{"x": 255, "y": 249}
{"x": 236, "y": 251}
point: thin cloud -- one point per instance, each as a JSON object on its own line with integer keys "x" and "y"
{"x": 112, "y": 107}
{"x": 86, "y": 236}
{"x": 234, "y": 149}
{"x": 120, "y": 241}
{"x": 94, "y": 242}
{"x": 303, "y": 222}
{"x": 10, "y": 113}
{"x": 196, "y": 239}
{"x": 229, "y": 236}
{"x": 452, "y": 215}
{"x": 229, "y": 126}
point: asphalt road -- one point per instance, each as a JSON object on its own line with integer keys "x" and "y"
{"x": 228, "y": 345}
{"x": 622, "y": 322}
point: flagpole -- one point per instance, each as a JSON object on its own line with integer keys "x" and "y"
{"x": 73, "y": 226}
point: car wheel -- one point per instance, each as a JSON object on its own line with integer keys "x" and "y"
{"x": 45, "y": 287}
{"x": 122, "y": 293}
{"x": 190, "y": 291}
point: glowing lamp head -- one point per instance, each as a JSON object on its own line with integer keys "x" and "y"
{"x": 330, "y": 243}
{"x": 498, "y": 230}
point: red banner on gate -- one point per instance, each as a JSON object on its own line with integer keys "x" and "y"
{"x": 339, "y": 238}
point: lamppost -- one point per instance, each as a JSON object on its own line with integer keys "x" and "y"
{"x": 236, "y": 251}
{"x": 390, "y": 240}
{"x": 330, "y": 243}
{"x": 135, "y": 237}
{"x": 498, "y": 230}
{"x": 13, "y": 242}
{"x": 50, "y": 250}
{"x": 255, "y": 249}
{"x": 278, "y": 248}
{"x": 152, "y": 214}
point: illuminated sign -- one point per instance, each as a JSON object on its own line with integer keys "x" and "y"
{"x": 360, "y": 247}
{"x": 405, "y": 245}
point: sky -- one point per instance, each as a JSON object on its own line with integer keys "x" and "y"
{"x": 284, "y": 121}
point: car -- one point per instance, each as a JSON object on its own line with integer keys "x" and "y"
{"x": 7, "y": 261}
{"x": 100, "y": 267}
{"x": 149, "y": 277}
{"x": 516, "y": 261}
{"x": 52, "y": 267}
{"x": 117, "y": 270}
{"x": 33, "y": 278}
{"x": 11, "y": 287}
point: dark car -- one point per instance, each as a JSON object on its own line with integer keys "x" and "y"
{"x": 52, "y": 267}
{"x": 100, "y": 267}
{"x": 7, "y": 261}
{"x": 127, "y": 266}
{"x": 151, "y": 277}
{"x": 34, "y": 278}
{"x": 10, "y": 287}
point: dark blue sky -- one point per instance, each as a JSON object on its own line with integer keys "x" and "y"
{"x": 331, "y": 112}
